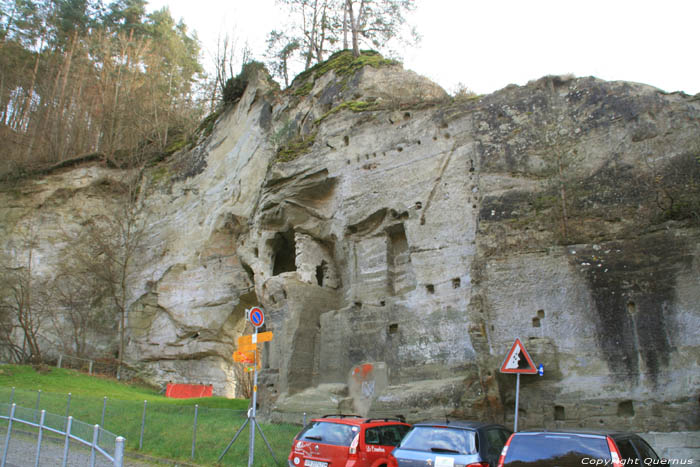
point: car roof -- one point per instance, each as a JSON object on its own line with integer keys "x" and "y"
{"x": 467, "y": 424}
{"x": 581, "y": 432}
{"x": 357, "y": 419}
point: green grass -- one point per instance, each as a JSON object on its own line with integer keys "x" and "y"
{"x": 169, "y": 423}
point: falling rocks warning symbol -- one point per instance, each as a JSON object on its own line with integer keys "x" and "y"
{"x": 518, "y": 360}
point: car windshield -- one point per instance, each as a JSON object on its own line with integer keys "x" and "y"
{"x": 556, "y": 450}
{"x": 339, "y": 434}
{"x": 440, "y": 440}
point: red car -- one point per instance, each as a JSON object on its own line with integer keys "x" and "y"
{"x": 347, "y": 441}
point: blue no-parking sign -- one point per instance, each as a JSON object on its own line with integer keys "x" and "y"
{"x": 256, "y": 316}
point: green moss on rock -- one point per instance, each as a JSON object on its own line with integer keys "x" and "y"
{"x": 295, "y": 148}
{"x": 354, "y": 106}
{"x": 343, "y": 63}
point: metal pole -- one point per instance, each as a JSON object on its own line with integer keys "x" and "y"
{"x": 12, "y": 396}
{"x": 235, "y": 437}
{"x": 269, "y": 448}
{"x": 90, "y": 368}
{"x": 38, "y": 399}
{"x": 517, "y": 400}
{"x": 60, "y": 358}
{"x": 68, "y": 405}
{"x": 251, "y": 449}
{"x": 119, "y": 452}
{"x": 143, "y": 423}
{"x": 95, "y": 434}
{"x": 104, "y": 408}
{"x": 304, "y": 420}
{"x": 41, "y": 435}
{"x": 194, "y": 430}
{"x": 67, "y": 443}
{"x": 9, "y": 432}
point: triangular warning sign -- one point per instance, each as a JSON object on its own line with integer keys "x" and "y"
{"x": 518, "y": 360}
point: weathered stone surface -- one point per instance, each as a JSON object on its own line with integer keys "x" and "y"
{"x": 424, "y": 235}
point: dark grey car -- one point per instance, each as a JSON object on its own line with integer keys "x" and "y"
{"x": 451, "y": 443}
{"x": 574, "y": 448}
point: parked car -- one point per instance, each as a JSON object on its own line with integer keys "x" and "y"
{"x": 451, "y": 443}
{"x": 347, "y": 441}
{"x": 577, "y": 448}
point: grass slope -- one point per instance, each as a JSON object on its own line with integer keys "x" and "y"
{"x": 169, "y": 423}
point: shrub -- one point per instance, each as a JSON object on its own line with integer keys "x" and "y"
{"x": 235, "y": 87}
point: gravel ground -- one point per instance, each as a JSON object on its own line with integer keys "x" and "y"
{"x": 22, "y": 453}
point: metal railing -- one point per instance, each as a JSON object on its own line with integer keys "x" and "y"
{"x": 99, "y": 441}
{"x": 87, "y": 365}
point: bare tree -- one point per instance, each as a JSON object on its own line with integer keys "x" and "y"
{"x": 228, "y": 58}
{"x": 20, "y": 303}
{"x": 77, "y": 310}
{"x": 375, "y": 21}
{"x": 106, "y": 246}
{"x": 244, "y": 380}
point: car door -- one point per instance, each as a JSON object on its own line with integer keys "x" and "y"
{"x": 380, "y": 441}
{"x": 496, "y": 438}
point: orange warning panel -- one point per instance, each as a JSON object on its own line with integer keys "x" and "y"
{"x": 188, "y": 391}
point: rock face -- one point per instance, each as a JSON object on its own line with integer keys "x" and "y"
{"x": 399, "y": 241}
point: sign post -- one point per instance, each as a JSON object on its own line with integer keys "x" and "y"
{"x": 518, "y": 362}
{"x": 248, "y": 353}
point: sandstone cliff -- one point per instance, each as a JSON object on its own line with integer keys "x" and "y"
{"x": 400, "y": 241}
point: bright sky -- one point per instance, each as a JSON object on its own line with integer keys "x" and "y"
{"x": 488, "y": 44}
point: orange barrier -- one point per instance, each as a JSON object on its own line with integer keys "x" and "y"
{"x": 186, "y": 391}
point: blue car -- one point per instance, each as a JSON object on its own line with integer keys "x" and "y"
{"x": 452, "y": 443}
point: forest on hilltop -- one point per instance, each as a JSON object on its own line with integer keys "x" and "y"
{"x": 109, "y": 80}
{"x": 81, "y": 76}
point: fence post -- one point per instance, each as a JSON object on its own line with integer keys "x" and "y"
{"x": 304, "y": 420}
{"x": 12, "y": 396}
{"x": 143, "y": 424}
{"x": 41, "y": 435}
{"x": 66, "y": 446}
{"x": 90, "y": 368}
{"x": 119, "y": 452}
{"x": 9, "y": 432}
{"x": 38, "y": 399}
{"x": 104, "y": 408}
{"x": 60, "y": 359}
{"x": 194, "y": 430}
{"x": 95, "y": 434}
{"x": 68, "y": 405}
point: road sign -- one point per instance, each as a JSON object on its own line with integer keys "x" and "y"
{"x": 246, "y": 347}
{"x": 518, "y": 361}
{"x": 251, "y": 338}
{"x": 256, "y": 316}
{"x": 244, "y": 357}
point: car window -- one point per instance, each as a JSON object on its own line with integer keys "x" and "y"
{"x": 339, "y": 434}
{"x": 440, "y": 439}
{"x": 627, "y": 452}
{"x": 387, "y": 435}
{"x": 556, "y": 450}
{"x": 645, "y": 451}
{"x": 496, "y": 439}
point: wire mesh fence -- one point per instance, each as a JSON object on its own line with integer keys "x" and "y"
{"x": 160, "y": 429}
{"x": 31, "y": 431}
{"x": 169, "y": 429}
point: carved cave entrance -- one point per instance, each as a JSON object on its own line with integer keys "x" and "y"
{"x": 283, "y": 252}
